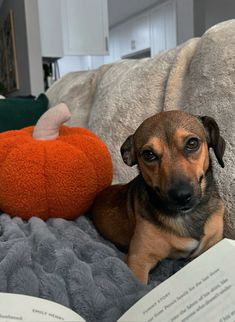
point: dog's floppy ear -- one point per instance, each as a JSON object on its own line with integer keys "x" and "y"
{"x": 215, "y": 141}
{"x": 128, "y": 151}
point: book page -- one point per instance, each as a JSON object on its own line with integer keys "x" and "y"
{"x": 16, "y": 307}
{"x": 204, "y": 290}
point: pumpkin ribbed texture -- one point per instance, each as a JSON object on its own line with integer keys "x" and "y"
{"x": 55, "y": 178}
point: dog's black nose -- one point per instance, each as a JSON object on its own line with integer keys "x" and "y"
{"x": 181, "y": 193}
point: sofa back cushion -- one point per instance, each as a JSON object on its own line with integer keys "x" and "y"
{"x": 77, "y": 90}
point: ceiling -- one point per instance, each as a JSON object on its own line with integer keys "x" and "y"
{"x": 120, "y": 10}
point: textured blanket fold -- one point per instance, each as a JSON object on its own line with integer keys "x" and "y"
{"x": 69, "y": 262}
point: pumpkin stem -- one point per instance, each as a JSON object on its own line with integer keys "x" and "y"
{"x": 48, "y": 126}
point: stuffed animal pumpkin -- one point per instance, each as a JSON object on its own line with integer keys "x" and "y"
{"x": 51, "y": 170}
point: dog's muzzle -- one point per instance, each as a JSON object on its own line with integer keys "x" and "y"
{"x": 181, "y": 195}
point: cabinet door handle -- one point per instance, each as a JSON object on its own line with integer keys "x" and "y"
{"x": 133, "y": 46}
{"x": 106, "y": 44}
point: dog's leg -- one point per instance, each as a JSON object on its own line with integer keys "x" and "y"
{"x": 151, "y": 244}
{"x": 213, "y": 231}
{"x": 141, "y": 262}
{"x": 147, "y": 247}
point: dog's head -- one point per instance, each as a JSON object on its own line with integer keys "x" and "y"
{"x": 171, "y": 150}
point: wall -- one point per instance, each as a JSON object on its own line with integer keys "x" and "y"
{"x": 72, "y": 63}
{"x": 34, "y": 47}
{"x": 21, "y": 42}
{"x": 199, "y": 17}
{"x": 218, "y": 10}
{"x": 27, "y": 45}
{"x": 207, "y": 13}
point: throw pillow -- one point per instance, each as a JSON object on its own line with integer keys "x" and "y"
{"x": 17, "y": 113}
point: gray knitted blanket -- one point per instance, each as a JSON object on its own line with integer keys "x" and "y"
{"x": 68, "y": 262}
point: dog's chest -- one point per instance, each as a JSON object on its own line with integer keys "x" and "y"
{"x": 184, "y": 248}
{"x": 164, "y": 243}
{"x": 189, "y": 226}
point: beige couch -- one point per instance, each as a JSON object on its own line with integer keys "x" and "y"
{"x": 198, "y": 77}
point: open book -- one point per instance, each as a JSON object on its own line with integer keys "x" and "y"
{"x": 204, "y": 290}
{"x": 16, "y": 307}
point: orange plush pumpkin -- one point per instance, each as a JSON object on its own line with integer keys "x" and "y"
{"x": 52, "y": 170}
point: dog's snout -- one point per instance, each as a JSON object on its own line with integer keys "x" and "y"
{"x": 181, "y": 193}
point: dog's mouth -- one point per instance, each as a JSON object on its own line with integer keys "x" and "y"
{"x": 173, "y": 207}
{"x": 185, "y": 209}
{"x": 176, "y": 209}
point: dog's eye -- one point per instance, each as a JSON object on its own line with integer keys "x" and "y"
{"x": 192, "y": 145}
{"x": 149, "y": 156}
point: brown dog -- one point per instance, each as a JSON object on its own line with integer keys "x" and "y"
{"x": 172, "y": 208}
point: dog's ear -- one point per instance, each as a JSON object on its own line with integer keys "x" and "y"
{"x": 128, "y": 151}
{"x": 214, "y": 139}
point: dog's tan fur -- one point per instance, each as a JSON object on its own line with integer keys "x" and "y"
{"x": 142, "y": 216}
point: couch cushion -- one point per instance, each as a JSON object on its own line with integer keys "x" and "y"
{"x": 129, "y": 92}
{"x": 17, "y": 113}
{"x": 77, "y": 90}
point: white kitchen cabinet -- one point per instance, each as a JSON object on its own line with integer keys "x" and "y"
{"x": 155, "y": 29}
{"x": 73, "y": 27}
{"x": 85, "y": 27}
{"x": 141, "y": 32}
{"x": 170, "y": 24}
{"x": 114, "y": 47}
{"x": 133, "y": 35}
{"x": 51, "y": 32}
{"x": 124, "y": 38}
{"x": 158, "y": 39}
{"x": 163, "y": 28}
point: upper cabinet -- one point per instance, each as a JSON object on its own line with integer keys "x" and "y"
{"x": 85, "y": 27}
{"x": 51, "y": 32}
{"x": 163, "y": 31}
{"x": 133, "y": 35}
{"x": 155, "y": 29}
{"x": 73, "y": 27}
{"x": 114, "y": 46}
